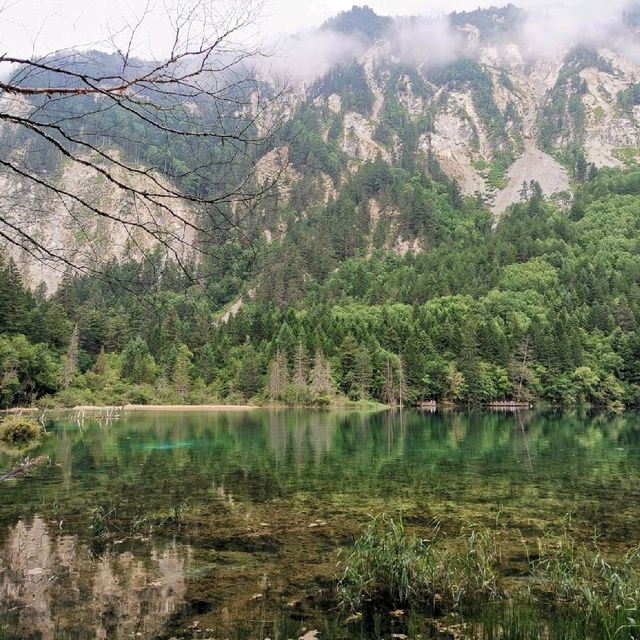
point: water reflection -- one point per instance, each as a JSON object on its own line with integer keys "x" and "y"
{"x": 257, "y": 485}
{"x": 51, "y": 586}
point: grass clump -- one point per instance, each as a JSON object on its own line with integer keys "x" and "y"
{"x": 19, "y": 432}
{"x": 579, "y": 577}
{"x": 569, "y": 590}
{"x": 387, "y": 565}
{"x": 391, "y": 567}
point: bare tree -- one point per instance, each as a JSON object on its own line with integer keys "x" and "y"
{"x": 145, "y": 153}
{"x": 278, "y": 377}
{"x": 321, "y": 380}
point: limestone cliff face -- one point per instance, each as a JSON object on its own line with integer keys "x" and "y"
{"x": 491, "y": 138}
{"x": 492, "y": 116}
{"x": 67, "y": 230}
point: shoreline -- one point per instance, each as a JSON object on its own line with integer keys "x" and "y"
{"x": 139, "y": 407}
{"x": 109, "y": 409}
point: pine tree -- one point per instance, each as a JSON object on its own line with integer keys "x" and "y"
{"x": 363, "y": 372}
{"x": 347, "y": 356}
{"x": 71, "y": 361}
{"x": 389, "y": 387}
{"x": 278, "y": 377}
{"x": 12, "y": 298}
{"x": 248, "y": 380}
{"x": 402, "y": 390}
{"x": 101, "y": 365}
{"x": 299, "y": 378}
{"x": 181, "y": 370}
{"x": 138, "y": 365}
{"x": 300, "y": 366}
{"x": 455, "y": 383}
{"x": 469, "y": 361}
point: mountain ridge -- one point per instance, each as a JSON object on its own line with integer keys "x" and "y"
{"x": 487, "y": 112}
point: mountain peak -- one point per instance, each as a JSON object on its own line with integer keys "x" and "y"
{"x": 359, "y": 20}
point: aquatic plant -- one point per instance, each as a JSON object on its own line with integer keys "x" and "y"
{"x": 389, "y": 566}
{"x": 18, "y": 431}
{"x": 102, "y": 522}
{"x": 386, "y": 564}
{"x": 572, "y": 591}
{"x": 173, "y": 515}
{"x": 607, "y": 594}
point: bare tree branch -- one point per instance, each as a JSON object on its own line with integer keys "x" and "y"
{"x": 164, "y": 149}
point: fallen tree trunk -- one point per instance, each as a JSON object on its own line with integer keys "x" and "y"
{"x": 25, "y": 466}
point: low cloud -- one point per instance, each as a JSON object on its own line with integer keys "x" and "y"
{"x": 309, "y": 55}
{"x": 550, "y": 31}
{"x": 546, "y": 32}
{"x": 427, "y": 42}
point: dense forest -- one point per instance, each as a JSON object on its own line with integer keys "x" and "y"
{"x": 545, "y": 307}
{"x": 374, "y": 278}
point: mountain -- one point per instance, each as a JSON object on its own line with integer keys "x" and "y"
{"x": 454, "y": 219}
{"x": 464, "y": 96}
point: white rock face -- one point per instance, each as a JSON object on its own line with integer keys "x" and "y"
{"x": 532, "y": 165}
{"x": 65, "y": 229}
{"x": 357, "y": 138}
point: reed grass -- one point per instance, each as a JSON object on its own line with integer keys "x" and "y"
{"x": 571, "y": 590}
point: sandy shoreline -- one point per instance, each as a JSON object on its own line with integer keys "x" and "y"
{"x": 143, "y": 407}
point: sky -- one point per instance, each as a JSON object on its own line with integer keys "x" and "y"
{"x": 41, "y": 26}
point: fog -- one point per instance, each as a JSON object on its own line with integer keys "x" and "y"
{"x": 547, "y": 32}
{"x": 550, "y": 28}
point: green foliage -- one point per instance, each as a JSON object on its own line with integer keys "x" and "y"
{"x": 308, "y": 150}
{"x": 389, "y": 567}
{"x": 350, "y": 83}
{"x": 606, "y": 594}
{"x": 546, "y": 306}
{"x": 359, "y": 20}
{"x": 27, "y": 370}
{"x": 20, "y": 431}
{"x": 138, "y": 365}
{"x": 491, "y": 22}
{"x": 386, "y": 565}
{"x": 629, "y": 97}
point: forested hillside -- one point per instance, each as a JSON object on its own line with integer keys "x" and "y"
{"x": 461, "y": 228}
{"x": 546, "y": 306}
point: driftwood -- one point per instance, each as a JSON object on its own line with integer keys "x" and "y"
{"x": 25, "y": 466}
{"x": 509, "y": 404}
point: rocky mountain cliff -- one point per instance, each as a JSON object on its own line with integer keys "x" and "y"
{"x": 494, "y": 116}
{"x": 465, "y": 100}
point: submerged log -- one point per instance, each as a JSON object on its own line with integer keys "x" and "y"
{"x": 25, "y": 466}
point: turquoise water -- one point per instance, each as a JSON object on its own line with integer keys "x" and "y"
{"x": 195, "y": 525}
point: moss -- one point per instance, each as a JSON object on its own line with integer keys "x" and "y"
{"x": 18, "y": 431}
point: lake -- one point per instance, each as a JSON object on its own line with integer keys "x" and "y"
{"x": 228, "y": 524}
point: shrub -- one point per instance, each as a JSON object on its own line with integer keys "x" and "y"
{"x": 18, "y": 431}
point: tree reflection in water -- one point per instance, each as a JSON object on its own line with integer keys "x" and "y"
{"x": 44, "y": 577}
